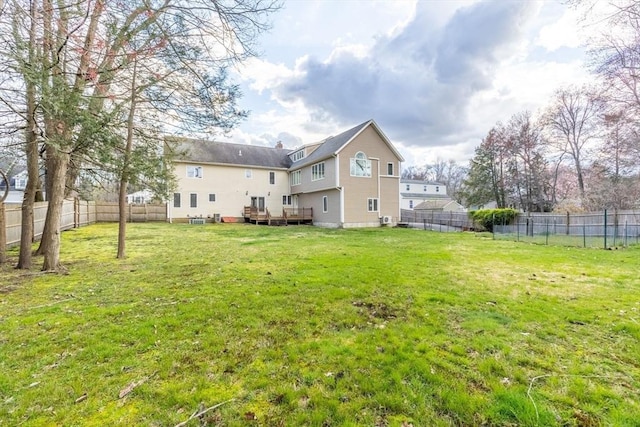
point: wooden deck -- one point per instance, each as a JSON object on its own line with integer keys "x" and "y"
{"x": 286, "y": 217}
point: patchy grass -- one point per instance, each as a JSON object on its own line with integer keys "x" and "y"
{"x": 307, "y": 326}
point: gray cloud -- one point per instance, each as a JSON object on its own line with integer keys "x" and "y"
{"x": 418, "y": 83}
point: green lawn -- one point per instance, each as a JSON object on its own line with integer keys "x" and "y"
{"x": 306, "y": 326}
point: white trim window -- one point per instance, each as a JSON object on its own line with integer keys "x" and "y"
{"x": 372, "y": 205}
{"x": 408, "y": 187}
{"x": 193, "y": 200}
{"x": 360, "y": 165}
{"x": 410, "y": 204}
{"x": 194, "y": 171}
{"x": 298, "y": 155}
{"x": 296, "y": 177}
{"x": 317, "y": 171}
{"x": 390, "y": 169}
{"x": 286, "y": 200}
{"x": 325, "y": 204}
{"x": 272, "y": 177}
{"x": 176, "y": 200}
{"x": 248, "y": 173}
{"x": 212, "y": 197}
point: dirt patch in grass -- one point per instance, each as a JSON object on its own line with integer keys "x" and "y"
{"x": 376, "y": 310}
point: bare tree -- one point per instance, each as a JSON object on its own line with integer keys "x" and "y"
{"x": 572, "y": 122}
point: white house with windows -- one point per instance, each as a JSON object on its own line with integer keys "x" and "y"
{"x": 20, "y": 181}
{"x": 415, "y": 194}
{"x": 348, "y": 180}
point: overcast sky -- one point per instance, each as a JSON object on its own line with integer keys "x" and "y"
{"x": 435, "y": 75}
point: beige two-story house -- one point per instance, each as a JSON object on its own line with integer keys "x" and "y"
{"x": 348, "y": 180}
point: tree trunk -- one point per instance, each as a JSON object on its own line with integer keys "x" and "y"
{"x": 31, "y": 152}
{"x": 51, "y": 251}
{"x": 122, "y": 219}
{"x": 124, "y": 177}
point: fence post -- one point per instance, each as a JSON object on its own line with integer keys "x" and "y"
{"x": 76, "y": 212}
{"x": 584, "y": 235}
{"x": 517, "y": 230}
{"x": 3, "y": 234}
{"x": 605, "y": 229}
{"x": 568, "y": 222}
{"x": 547, "y": 236}
{"x": 626, "y": 225}
{"x": 493, "y": 226}
{"x": 424, "y": 223}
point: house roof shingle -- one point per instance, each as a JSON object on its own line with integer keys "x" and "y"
{"x": 330, "y": 146}
{"x": 200, "y": 151}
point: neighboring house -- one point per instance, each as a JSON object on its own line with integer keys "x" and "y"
{"x": 440, "y": 205}
{"x": 413, "y": 192}
{"x": 20, "y": 181}
{"x": 349, "y": 180}
{"x": 140, "y": 197}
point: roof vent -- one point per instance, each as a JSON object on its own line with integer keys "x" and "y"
{"x": 240, "y": 153}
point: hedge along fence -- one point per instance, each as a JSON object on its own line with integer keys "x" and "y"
{"x": 485, "y": 219}
{"x": 76, "y": 213}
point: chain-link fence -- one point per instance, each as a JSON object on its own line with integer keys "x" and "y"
{"x": 445, "y": 221}
{"x": 593, "y": 230}
{"x": 597, "y": 230}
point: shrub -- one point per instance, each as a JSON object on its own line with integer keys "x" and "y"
{"x": 486, "y": 218}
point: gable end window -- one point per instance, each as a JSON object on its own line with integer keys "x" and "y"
{"x": 317, "y": 171}
{"x": 372, "y": 205}
{"x": 390, "y": 169}
{"x": 194, "y": 171}
{"x": 176, "y": 200}
{"x": 360, "y": 165}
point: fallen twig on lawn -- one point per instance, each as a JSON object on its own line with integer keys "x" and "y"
{"x": 201, "y": 413}
{"x": 128, "y": 389}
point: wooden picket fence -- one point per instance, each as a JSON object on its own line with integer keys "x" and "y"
{"x": 77, "y": 213}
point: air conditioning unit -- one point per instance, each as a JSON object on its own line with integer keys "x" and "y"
{"x": 386, "y": 219}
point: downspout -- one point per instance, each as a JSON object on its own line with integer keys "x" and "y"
{"x": 379, "y": 201}
{"x": 340, "y": 189}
